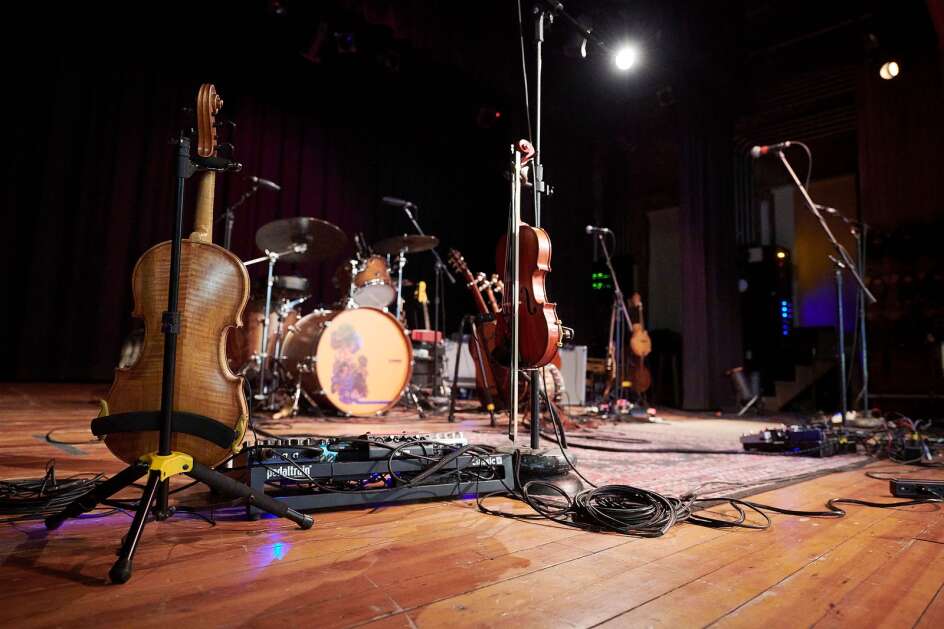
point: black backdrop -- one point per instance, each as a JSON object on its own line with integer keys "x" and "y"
{"x": 91, "y": 185}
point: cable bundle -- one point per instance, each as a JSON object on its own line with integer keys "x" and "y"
{"x": 38, "y": 498}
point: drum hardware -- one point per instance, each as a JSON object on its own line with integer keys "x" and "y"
{"x": 263, "y": 392}
{"x": 323, "y": 239}
{"x": 415, "y": 243}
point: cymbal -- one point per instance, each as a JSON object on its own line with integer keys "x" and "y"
{"x": 408, "y": 243}
{"x": 288, "y": 285}
{"x": 324, "y": 239}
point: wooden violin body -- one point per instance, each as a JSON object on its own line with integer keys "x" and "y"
{"x": 213, "y": 291}
{"x": 540, "y": 329}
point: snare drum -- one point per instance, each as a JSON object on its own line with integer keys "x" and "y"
{"x": 358, "y": 361}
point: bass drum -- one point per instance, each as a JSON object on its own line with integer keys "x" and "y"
{"x": 358, "y": 361}
{"x": 243, "y": 344}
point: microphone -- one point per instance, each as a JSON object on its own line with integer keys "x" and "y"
{"x": 395, "y": 202}
{"x": 758, "y": 151}
{"x": 264, "y": 183}
{"x": 597, "y": 230}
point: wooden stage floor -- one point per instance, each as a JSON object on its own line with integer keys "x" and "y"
{"x": 436, "y": 564}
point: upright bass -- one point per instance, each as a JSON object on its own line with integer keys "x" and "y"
{"x": 214, "y": 289}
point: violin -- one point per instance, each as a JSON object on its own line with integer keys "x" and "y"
{"x": 214, "y": 289}
{"x": 541, "y": 332}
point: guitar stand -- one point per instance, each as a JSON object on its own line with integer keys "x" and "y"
{"x": 161, "y": 465}
{"x": 471, "y": 320}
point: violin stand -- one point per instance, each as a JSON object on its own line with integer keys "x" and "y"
{"x": 161, "y": 465}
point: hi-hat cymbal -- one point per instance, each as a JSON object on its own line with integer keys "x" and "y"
{"x": 324, "y": 239}
{"x": 407, "y": 243}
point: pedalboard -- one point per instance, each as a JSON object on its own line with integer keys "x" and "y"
{"x": 915, "y": 488}
{"x": 800, "y": 441}
{"x": 311, "y": 473}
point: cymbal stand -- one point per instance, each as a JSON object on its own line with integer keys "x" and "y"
{"x": 401, "y": 262}
{"x": 263, "y": 392}
{"x": 439, "y": 316}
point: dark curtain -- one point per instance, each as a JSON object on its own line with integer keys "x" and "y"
{"x": 91, "y": 186}
{"x": 710, "y": 311}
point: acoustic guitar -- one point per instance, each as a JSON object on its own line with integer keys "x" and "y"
{"x": 214, "y": 289}
{"x": 641, "y": 346}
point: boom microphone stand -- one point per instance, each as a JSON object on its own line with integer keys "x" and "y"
{"x": 617, "y": 299}
{"x": 842, "y": 260}
{"x": 438, "y": 304}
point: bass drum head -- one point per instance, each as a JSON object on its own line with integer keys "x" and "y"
{"x": 363, "y": 361}
{"x": 358, "y": 361}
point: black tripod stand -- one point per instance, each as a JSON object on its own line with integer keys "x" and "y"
{"x": 161, "y": 465}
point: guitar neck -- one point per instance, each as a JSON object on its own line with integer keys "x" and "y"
{"x": 426, "y": 316}
{"x": 203, "y": 220}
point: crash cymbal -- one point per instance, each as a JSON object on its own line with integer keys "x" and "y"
{"x": 408, "y": 243}
{"x": 324, "y": 239}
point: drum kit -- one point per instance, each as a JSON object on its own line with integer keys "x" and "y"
{"x": 354, "y": 357}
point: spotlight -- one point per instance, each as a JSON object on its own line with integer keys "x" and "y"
{"x": 626, "y": 57}
{"x": 889, "y": 70}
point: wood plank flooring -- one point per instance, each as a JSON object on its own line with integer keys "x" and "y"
{"x": 437, "y": 564}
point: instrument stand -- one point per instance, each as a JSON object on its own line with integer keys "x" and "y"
{"x": 469, "y": 320}
{"x": 161, "y": 465}
{"x": 841, "y": 261}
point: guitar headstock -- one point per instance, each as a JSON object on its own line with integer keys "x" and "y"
{"x": 457, "y": 262}
{"x": 421, "y": 296}
{"x": 497, "y": 284}
{"x": 209, "y": 104}
{"x": 635, "y": 300}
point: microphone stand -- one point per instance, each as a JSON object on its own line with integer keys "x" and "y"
{"x": 229, "y": 215}
{"x": 859, "y": 231}
{"x": 842, "y": 260}
{"x": 544, "y": 13}
{"x": 438, "y": 305}
{"x": 617, "y": 299}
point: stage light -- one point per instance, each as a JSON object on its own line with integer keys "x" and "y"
{"x": 889, "y": 70}
{"x": 781, "y": 254}
{"x": 626, "y": 57}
